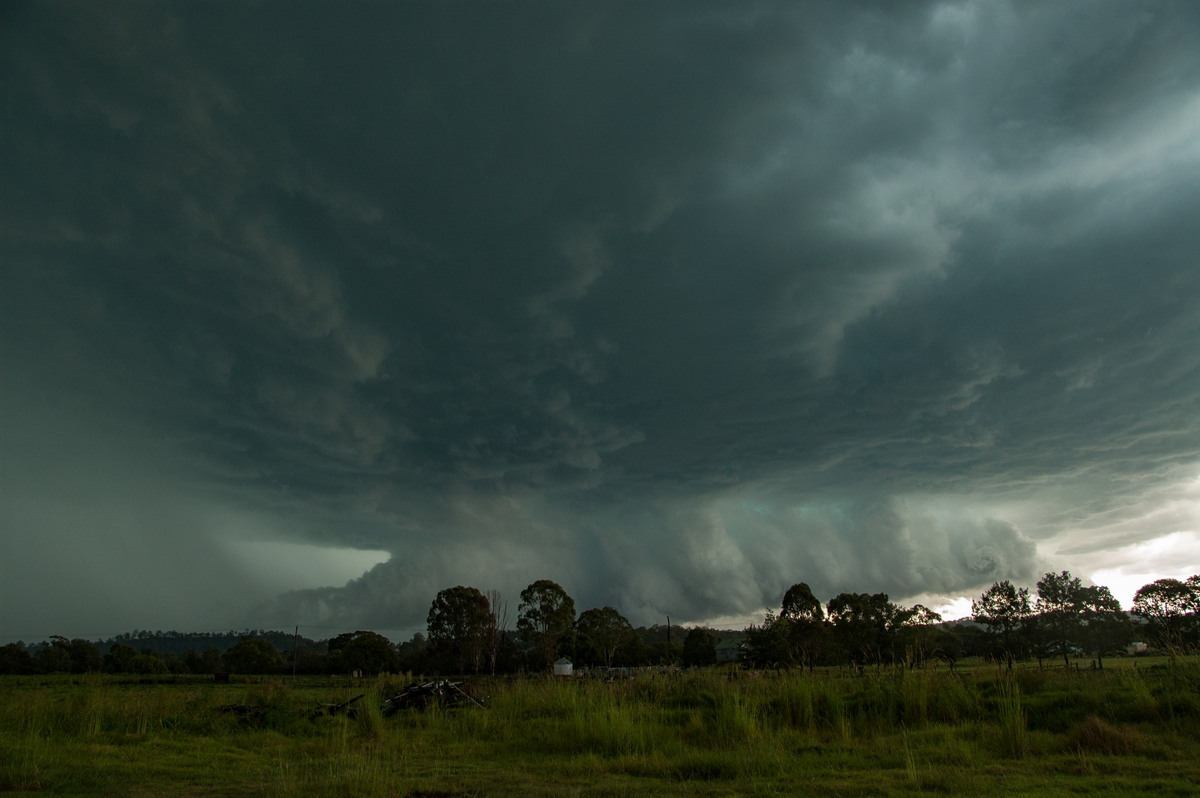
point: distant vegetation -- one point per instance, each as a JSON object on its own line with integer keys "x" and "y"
{"x": 468, "y": 632}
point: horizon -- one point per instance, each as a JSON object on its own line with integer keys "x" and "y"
{"x": 400, "y": 636}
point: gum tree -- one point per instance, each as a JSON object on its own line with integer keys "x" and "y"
{"x": 861, "y": 622}
{"x": 249, "y": 655}
{"x": 458, "y": 623}
{"x": 916, "y": 628}
{"x": 804, "y": 622}
{"x": 1004, "y": 609}
{"x": 1103, "y": 624}
{"x": 1058, "y": 606}
{"x": 369, "y": 652}
{"x": 604, "y": 631}
{"x": 1172, "y": 607}
{"x": 546, "y": 620}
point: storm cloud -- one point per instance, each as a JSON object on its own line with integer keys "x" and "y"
{"x": 676, "y": 304}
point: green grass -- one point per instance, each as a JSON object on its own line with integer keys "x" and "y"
{"x": 978, "y": 731}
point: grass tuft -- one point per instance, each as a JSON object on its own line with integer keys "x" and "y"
{"x": 1097, "y": 736}
{"x": 1012, "y": 723}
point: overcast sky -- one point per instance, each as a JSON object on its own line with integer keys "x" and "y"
{"x": 310, "y": 310}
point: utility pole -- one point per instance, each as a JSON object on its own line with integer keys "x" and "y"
{"x": 295, "y": 652}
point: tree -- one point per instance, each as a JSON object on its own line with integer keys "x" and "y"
{"x": 147, "y": 663}
{"x": 1058, "y": 607}
{"x": 799, "y": 603}
{"x": 766, "y": 646}
{"x": 546, "y": 619}
{"x": 637, "y": 651}
{"x": 973, "y": 640}
{"x": 1038, "y": 638}
{"x": 659, "y": 645}
{"x": 311, "y": 660}
{"x": 947, "y": 644}
{"x": 458, "y": 622}
{"x": 1103, "y": 624}
{"x": 16, "y": 659}
{"x": 496, "y": 627}
{"x": 210, "y": 661}
{"x": 1003, "y": 609}
{"x": 414, "y": 654}
{"x": 55, "y": 657}
{"x": 804, "y": 625}
{"x": 119, "y": 657}
{"x": 253, "y": 655}
{"x": 1171, "y": 606}
{"x": 916, "y": 628}
{"x": 85, "y": 656}
{"x": 699, "y": 648}
{"x": 861, "y": 623}
{"x": 368, "y": 652}
{"x": 601, "y": 633}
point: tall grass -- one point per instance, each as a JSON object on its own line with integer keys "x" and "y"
{"x": 1011, "y": 724}
{"x": 768, "y": 732}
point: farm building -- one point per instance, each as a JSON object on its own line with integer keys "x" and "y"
{"x": 728, "y": 651}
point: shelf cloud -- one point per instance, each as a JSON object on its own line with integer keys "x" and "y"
{"x": 676, "y": 304}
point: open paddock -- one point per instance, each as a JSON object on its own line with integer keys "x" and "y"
{"x": 978, "y": 731}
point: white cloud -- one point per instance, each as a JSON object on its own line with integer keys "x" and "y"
{"x": 1128, "y": 568}
{"x": 282, "y": 566}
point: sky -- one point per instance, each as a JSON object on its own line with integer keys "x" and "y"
{"x": 309, "y": 310}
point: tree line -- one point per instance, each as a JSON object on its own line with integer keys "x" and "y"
{"x": 1067, "y": 617}
{"x": 1064, "y": 618}
{"x": 468, "y": 632}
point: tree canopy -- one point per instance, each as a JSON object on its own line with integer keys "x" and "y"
{"x": 368, "y": 652}
{"x": 458, "y": 624}
{"x": 600, "y": 635}
{"x": 1003, "y": 609}
{"x": 546, "y": 620}
{"x": 1172, "y": 607}
{"x": 254, "y": 655}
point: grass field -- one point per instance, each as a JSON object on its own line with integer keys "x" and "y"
{"x": 976, "y": 732}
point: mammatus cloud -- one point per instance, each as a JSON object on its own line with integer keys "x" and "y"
{"x": 675, "y": 304}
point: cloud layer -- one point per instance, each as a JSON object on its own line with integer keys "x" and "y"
{"x": 676, "y": 304}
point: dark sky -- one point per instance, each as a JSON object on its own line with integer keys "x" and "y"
{"x": 675, "y": 303}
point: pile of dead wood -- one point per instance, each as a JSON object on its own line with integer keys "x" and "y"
{"x": 418, "y": 695}
{"x": 421, "y": 695}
